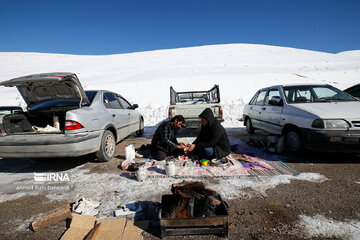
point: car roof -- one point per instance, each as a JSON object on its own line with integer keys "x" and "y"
{"x": 294, "y": 85}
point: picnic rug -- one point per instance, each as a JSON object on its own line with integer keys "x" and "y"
{"x": 243, "y": 161}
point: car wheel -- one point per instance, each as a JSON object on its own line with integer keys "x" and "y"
{"x": 293, "y": 141}
{"x": 249, "y": 126}
{"x": 141, "y": 128}
{"x": 107, "y": 147}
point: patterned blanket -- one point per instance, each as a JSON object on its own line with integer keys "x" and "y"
{"x": 241, "y": 163}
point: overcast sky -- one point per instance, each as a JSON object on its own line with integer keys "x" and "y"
{"x": 116, "y": 26}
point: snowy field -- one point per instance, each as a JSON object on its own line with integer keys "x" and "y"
{"x": 145, "y": 77}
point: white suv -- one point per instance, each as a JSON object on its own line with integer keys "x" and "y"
{"x": 318, "y": 117}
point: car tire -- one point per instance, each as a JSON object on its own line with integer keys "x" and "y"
{"x": 107, "y": 147}
{"x": 249, "y": 126}
{"x": 293, "y": 142}
{"x": 141, "y": 128}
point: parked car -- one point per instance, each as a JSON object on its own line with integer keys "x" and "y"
{"x": 10, "y": 109}
{"x": 354, "y": 91}
{"x": 318, "y": 117}
{"x": 191, "y": 104}
{"x": 74, "y": 122}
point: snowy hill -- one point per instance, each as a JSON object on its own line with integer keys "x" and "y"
{"x": 145, "y": 77}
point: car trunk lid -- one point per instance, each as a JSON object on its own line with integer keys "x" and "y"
{"x": 47, "y": 87}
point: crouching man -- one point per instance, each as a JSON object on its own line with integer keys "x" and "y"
{"x": 212, "y": 141}
{"x": 164, "y": 141}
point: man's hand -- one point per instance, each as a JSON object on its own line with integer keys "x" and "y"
{"x": 189, "y": 148}
{"x": 181, "y": 146}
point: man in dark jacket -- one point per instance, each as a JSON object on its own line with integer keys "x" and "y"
{"x": 164, "y": 142}
{"x": 212, "y": 141}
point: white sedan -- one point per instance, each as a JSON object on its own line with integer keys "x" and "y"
{"x": 318, "y": 117}
{"x": 63, "y": 120}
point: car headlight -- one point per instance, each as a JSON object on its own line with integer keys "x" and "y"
{"x": 330, "y": 124}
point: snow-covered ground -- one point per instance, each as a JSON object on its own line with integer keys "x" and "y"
{"x": 112, "y": 189}
{"x": 320, "y": 226}
{"x": 145, "y": 77}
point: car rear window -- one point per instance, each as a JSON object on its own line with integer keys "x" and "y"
{"x": 90, "y": 95}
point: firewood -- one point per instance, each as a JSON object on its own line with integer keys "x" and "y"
{"x": 51, "y": 217}
{"x": 195, "y": 200}
{"x": 181, "y": 209}
{"x": 188, "y": 189}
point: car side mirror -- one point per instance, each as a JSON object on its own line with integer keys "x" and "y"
{"x": 135, "y": 106}
{"x": 276, "y": 101}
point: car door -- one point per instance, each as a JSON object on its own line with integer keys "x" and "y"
{"x": 132, "y": 114}
{"x": 271, "y": 114}
{"x": 256, "y": 110}
{"x": 120, "y": 117}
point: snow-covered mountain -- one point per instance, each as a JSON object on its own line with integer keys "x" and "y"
{"x": 145, "y": 77}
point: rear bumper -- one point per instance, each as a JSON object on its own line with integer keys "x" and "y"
{"x": 49, "y": 145}
{"x": 332, "y": 141}
{"x": 196, "y": 123}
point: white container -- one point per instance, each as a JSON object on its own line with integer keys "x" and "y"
{"x": 56, "y": 122}
{"x": 129, "y": 152}
{"x": 170, "y": 169}
{"x": 141, "y": 174}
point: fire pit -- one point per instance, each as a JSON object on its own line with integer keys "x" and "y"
{"x": 193, "y": 220}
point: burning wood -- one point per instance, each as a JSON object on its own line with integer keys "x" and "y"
{"x": 193, "y": 200}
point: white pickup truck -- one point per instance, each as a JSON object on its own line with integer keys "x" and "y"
{"x": 191, "y": 104}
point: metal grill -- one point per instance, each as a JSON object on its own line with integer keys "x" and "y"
{"x": 217, "y": 224}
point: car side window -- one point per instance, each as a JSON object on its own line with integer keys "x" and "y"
{"x": 253, "y": 100}
{"x": 260, "y": 98}
{"x": 106, "y": 101}
{"x": 110, "y": 101}
{"x": 298, "y": 95}
{"x": 271, "y": 93}
{"x": 124, "y": 103}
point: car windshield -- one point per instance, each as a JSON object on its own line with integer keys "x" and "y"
{"x": 315, "y": 93}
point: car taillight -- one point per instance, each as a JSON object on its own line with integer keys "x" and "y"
{"x": 72, "y": 125}
{"x": 170, "y": 113}
{"x": 221, "y": 111}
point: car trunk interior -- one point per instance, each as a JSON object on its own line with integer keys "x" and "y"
{"x": 33, "y": 123}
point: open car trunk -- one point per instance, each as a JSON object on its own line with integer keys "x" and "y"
{"x": 48, "y": 97}
{"x": 41, "y": 122}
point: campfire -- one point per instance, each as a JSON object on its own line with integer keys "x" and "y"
{"x": 193, "y": 209}
{"x": 192, "y": 199}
